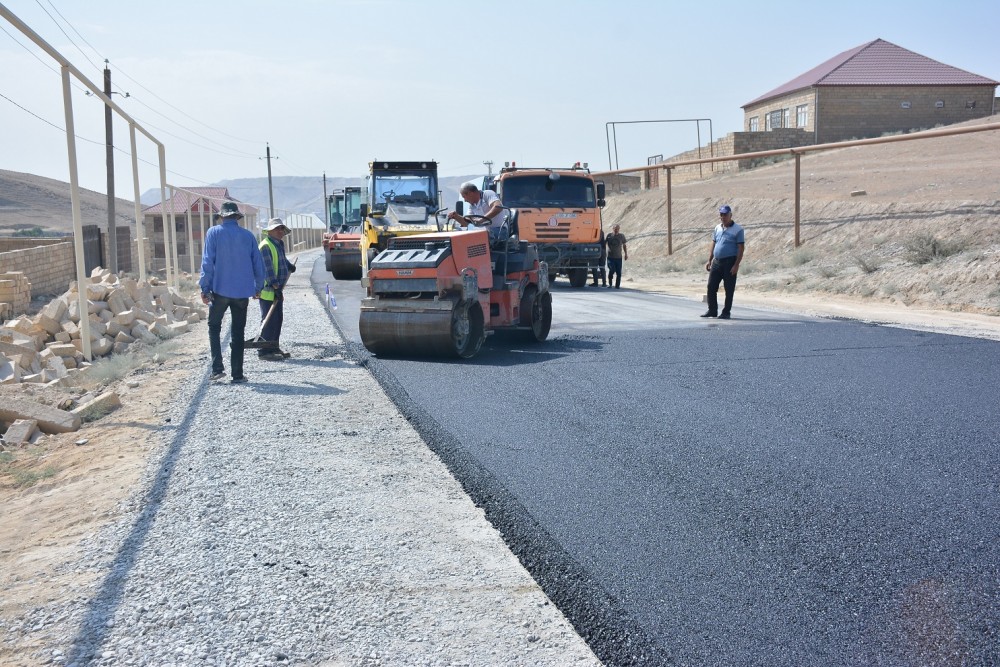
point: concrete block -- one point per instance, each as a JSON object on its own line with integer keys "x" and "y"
{"x": 100, "y": 406}
{"x": 51, "y": 325}
{"x": 20, "y": 432}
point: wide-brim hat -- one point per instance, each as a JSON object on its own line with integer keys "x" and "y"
{"x": 276, "y": 223}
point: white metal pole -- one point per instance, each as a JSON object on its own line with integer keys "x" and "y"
{"x": 201, "y": 224}
{"x": 190, "y": 233}
{"x": 173, "y": 239}
{"x": 74, "y": 197}
{"x": 163, "y": 215}
{"x": 140, "y": 227}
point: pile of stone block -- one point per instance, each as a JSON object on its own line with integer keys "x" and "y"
{"x": 15, "y": 294}
{"x": 48, "y": 348}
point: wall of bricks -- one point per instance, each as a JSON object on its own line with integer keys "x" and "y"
{"x": 49, "y": 268}
{"x": 733, "y": 143}
{"x": 842, "y": 113}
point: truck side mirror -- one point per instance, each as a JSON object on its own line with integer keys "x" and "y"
{"x": 460, "y": 207}
{"x": 364, "y": 211}
{"x": 600, "y": 194}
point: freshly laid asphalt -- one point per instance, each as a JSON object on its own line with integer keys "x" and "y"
{"x": 771, "y": 490}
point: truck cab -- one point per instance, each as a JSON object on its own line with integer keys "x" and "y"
{"x": 559, "y": 210}
{"x": 342, "y": 241}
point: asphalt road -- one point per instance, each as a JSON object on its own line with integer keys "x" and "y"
{"x": 769, "y": 490}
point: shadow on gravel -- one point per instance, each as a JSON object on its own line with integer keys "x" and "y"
{"x": 95, "y": 627}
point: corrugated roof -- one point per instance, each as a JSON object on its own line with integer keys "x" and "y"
{"x": 878, "y": 63}
{"x": 178, "y": 205}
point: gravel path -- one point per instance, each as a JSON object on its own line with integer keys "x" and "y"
{"x": 325, "y": 534}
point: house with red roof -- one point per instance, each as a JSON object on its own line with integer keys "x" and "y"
{"x": 872, "y": 90}
{"x": 194, "y": 209}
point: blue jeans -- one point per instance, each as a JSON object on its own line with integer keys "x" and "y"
{"x": 615, "y": 268}
{"x": 238, "y": 316}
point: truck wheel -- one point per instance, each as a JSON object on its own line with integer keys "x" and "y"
{"x": 578, "y": 277}
{"x": 329, "y": 261}
{"x": 536, "y": 313}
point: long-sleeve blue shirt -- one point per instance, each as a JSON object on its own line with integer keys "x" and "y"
{"x": 231, "y": 265}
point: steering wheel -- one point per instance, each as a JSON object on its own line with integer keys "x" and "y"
{"x": 388, "y": 194}
{"x": 479, "y": 220}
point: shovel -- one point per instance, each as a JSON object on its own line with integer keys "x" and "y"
{"x": 259, "y": 342}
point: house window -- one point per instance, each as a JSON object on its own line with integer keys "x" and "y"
{"x": 158, "y": 225}
{"x": 786, "y": 118}
{"x": 773, "y": 120}
{"x": 754, "y": 124}
{"x": 802, "y": 115}
{"x": 939, "y": 104}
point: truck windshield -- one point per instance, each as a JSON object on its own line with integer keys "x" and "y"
{"x": 415, "y": 188}
{"x": 539, "y": 190}
{"x": 352, "y": 214}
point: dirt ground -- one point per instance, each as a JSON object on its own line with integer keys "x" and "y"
{"x": 65, "y": 487}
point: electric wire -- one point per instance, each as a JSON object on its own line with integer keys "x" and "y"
{"x": 97, "y": 67}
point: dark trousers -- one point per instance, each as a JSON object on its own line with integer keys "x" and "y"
{"x": 238, "y": 316}
{"x": 721, "y": 272}
{"x": 272, "y": 330}
{"x": 615, "y": 267}
{"x": 598, "y": 272}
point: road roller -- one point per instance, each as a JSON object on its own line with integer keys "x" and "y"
{"x": 440, "y": 294}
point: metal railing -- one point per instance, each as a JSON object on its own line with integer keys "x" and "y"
{"x": 797, "y": 154}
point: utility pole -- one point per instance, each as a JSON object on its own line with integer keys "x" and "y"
{"x": 489, "y": 168}
{"x": 270, "y": 189}
{"x": 326, "y": 208}
{"x": 112, "y": 232}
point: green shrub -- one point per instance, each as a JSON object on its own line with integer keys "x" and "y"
{"x": 928, "y": 248}
{"x": 868, "y": 264}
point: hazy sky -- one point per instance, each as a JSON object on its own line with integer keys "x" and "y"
{"x": 333, "y": 84}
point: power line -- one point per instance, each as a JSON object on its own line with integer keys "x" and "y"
{"x": 67, "y": 34}
{"x": 44, "y": 64}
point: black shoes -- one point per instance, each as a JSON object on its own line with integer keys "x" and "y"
{"x": 240, "y": 380}
{"x": 709, "y": 313}
{"x": 272, "y": 356}
{"x": 593, "y": 284}
{"x": 724, "y": 316}
{"x": 217, "y": 375}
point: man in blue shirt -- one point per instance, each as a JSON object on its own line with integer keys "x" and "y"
{"x": 724, "y": 257}
{"x": 231, "y": 272}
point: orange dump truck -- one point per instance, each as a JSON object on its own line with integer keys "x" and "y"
{"x": 558, "y": 210}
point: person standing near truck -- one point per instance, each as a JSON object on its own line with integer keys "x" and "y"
{"x": 617, "y": 253}
{"x": 724, "y": 257}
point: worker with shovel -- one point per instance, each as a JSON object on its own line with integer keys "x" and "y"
{"x": 277, "y": 268}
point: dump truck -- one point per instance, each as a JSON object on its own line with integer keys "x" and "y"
{"x": 559, "y": 210}
{"x": 342, "y": 242}
{"x": 443, "y": 293}
{"x": 403, "y": 199}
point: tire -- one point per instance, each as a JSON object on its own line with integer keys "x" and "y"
{"x": 329, "y": 261}
{"x": 536, "y": 313}
{"x": 578, "y": 277}
{"x": 468, "y": 331}
{"x": 552, "y": 277}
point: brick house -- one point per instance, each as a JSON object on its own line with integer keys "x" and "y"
{"x": 203, "y": 203}
{"x": 869, "y": 91}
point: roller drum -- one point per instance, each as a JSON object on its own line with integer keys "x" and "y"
{"x": 455, "y": 332}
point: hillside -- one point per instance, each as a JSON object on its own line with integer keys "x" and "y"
{"x": 922, "y": 236}
{"x": 28, "y": 201}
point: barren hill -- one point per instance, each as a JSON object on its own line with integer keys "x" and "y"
{"x": 28, "y": 201}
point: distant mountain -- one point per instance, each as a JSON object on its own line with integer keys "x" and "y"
{"x": 304, "y": 194}
{"x": 28, "y": 201}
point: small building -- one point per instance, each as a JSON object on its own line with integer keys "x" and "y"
{"x": 193, "y": 209}
{"x": 872, "y": 90}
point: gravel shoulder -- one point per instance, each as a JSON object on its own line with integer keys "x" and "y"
{"x": 295, "y": 519}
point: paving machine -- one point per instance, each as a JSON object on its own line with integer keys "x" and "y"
{"x": 342, "y": 243}
{"x": 441, "y": 294}
{"x": 402, "y": 200}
